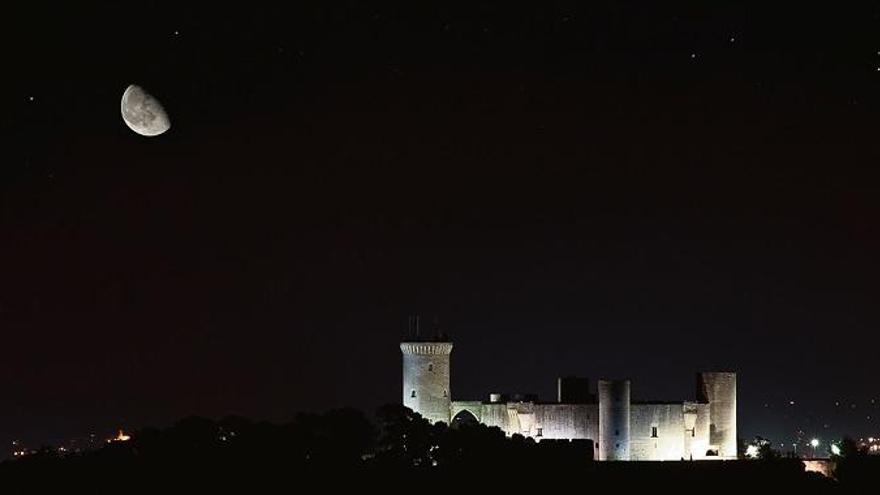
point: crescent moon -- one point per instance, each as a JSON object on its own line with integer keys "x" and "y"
{"x": 142, "y": 113}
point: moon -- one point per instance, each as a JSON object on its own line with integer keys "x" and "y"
{"x": 142, "y": 113}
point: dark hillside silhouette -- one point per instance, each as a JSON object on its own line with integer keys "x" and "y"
{"x": 401, "y": 451}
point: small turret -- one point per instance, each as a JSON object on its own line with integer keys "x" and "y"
{"x": 614, "y": 419}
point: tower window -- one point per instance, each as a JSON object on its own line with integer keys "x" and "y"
{"x": 653, "y": 432}
{"x": 616, "y": 433}
{"x": 540, "y": 432}
{"x": 430, "y": 367}
{"x": 413, "y": 394}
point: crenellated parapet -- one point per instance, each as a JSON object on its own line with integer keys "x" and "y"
{"x": 426, "y": 348}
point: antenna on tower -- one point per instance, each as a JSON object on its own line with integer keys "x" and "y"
{"x": 436, "y": 324}
{"x": 412, "y": 325}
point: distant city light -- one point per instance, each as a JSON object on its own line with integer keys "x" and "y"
{"x": 814, "y": 443}
{"x": 835, "y": 449}
{"x": 121, "y": 436}
{"x": 752, "y": 451}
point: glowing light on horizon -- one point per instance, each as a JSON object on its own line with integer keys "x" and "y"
{"x": 121, "y": 436}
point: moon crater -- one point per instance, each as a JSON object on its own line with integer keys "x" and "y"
{"x": 142, "y": 113}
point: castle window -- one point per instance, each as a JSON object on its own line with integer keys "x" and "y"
{"x": 430, "y": 367}
{"x": 445, "y": 394}
{"x": 540, "y": 432}
{"x": 653, "y": 432}
{"x": 413, "y": 394}
{"x": 616, "y": 433}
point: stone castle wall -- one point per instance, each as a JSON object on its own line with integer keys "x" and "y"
{"x": 719, "y": 390}
{"x": 619, "y": 428}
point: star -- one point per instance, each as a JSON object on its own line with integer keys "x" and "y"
{"x": 30, "y": 98}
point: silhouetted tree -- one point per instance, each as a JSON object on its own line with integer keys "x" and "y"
{"x": 339, "y": 437}
{"x": 854, "y": 467}
{"x": 766, "y": 451}
{"x": 237, "y": 455}
{"x": 759, "y": 448}
{"x": 405, "y": 438}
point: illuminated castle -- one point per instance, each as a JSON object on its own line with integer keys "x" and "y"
{"x": 620, "y": 428}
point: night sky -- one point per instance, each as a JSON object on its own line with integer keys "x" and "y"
{"x": 603, "y": 188}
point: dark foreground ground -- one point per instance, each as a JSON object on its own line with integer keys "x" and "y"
{"x": 398, "y": 453}
{"x": 108, "y": 476}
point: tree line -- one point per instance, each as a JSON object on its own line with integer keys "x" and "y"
{"x": 396, "y": 450}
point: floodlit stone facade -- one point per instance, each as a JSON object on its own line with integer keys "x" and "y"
{"x": 620, "y": 428}
{"x": 426, "y": 379}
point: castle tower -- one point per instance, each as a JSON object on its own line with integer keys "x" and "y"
{"x": 426, "y": 379}
{"x": 718, "y": 389}
{"x": 614, "y": 417}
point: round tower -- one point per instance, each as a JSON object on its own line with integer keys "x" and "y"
{"x": 718, "y": 389}
{"x": 614, "y": 415}
{"x": 426, "y": 379}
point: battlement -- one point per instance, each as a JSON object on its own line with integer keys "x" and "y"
{"x": 426, "y": 348}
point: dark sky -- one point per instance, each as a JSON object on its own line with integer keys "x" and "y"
{"x": 604, "y": 188}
